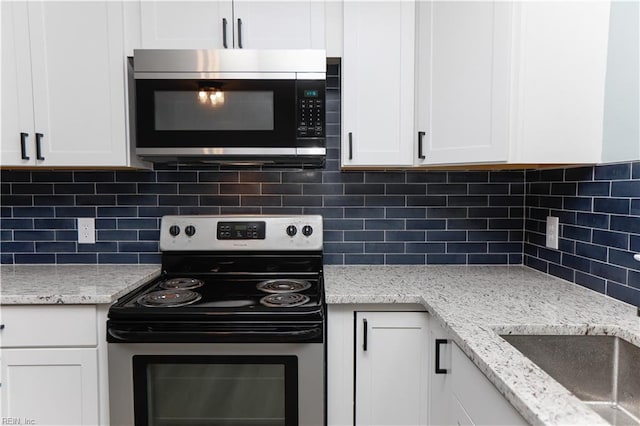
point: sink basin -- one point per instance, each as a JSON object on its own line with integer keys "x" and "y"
{"x": 602, "y": 371}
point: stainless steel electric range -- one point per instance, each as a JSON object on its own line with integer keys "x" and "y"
{"x": 231, "y": 333}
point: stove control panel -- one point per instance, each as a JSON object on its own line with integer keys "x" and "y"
{"x": 241, "y": 230}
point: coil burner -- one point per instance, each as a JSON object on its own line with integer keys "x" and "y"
{"x": 169, "y": 298}
{"x": 283, "y": 286}
{"x": 285, "y": 300}
{"x": 182, "y": 284}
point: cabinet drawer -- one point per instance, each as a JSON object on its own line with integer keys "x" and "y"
{"x": 48, "y": 325}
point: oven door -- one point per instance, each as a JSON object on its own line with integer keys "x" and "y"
{"x": 217, "y": 384}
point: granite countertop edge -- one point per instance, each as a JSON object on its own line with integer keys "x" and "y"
{"x": 70, "y": 284}
{"x": 476, "y": 321}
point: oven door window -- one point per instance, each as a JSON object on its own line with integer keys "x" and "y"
{"x": 215, "y": 390}
{"x": 215, "y": 113}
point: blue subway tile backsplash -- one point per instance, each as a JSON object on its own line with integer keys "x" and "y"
{"x": 370, "y": 217}
{"x": 597, "y": 228}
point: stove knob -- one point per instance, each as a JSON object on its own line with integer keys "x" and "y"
{"x": 174, "y": 230}
{"x": 292, "y": 230}
{"x": 307, "y": 230}
{"x": 190, "y": 230}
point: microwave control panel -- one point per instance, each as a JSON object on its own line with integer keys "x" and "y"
{"x": 310, "y": 96}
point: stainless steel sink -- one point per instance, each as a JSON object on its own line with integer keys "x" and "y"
{"x": 602, "y": 371}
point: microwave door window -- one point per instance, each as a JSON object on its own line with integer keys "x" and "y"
{"x": 214, "y": 110}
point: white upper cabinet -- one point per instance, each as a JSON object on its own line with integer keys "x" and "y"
{"x": 232, "y": 24}
{"x": 559, "y": 68}
{"x": 462, "y": 85}
{"x": 186, "y": 24}
{"x": 279, "y": 24}
{"x": 63, "y": 66}
{"x": 378, "y": 83}
{"x": 621, "y": 140}
{"x": 17, "y": 90}
{"x": 475, "y": 82}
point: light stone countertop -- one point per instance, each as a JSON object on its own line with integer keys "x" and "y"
{"x": 476, "y": 303}
{"x": 70, "y": 284}
{"x": 473, "y": 303}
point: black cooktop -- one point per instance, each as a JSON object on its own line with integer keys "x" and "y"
{"x": 225, "y": 294}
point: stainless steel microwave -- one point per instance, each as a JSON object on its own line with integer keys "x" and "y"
{"x": 230, "y": 106}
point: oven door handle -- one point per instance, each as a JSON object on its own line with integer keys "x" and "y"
{"x": 228, "y": 336}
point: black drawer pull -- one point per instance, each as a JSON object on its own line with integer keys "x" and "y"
{"x": 438, "y": 343}
{"x": 364, "y": 335}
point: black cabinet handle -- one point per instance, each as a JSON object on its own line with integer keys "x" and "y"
{"x": 23, "y": 145}
{"x": 240, "y": 33}
{"x": 39, "y": 137}
{"x": 438, "y": 343}
{"x": 350, "y": 146}
{"x": 420, "y": 154}
{"x": 1, "y": 326}
{"x": 224, "y": 32}
{"x": 364, "y": 334}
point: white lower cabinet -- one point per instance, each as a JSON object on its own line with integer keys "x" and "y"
{"x": 386, "y": 384}
{"x": 394, "y": 365}
{"x": 391, "y": 370}
{"x": 50, "y": 386}
{"x": 460, "y": 393}
{"x": 474, "y": 398}
{"x": 53, "y": 365}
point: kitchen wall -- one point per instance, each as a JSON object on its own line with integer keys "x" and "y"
{"x": 372, "y": 217}
{"x": 599, "y": 212}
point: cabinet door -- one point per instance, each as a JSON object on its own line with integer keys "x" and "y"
{"x": 77, "y": 59}
{"x": 50, "y": 386}
{"x": 391, "y": 368}
{"x": 378, "y": 83}
{"x": 463, "y": 81}
{"x": 560, "y": 61}
{"x": 474, "y": 398}
{"x": 17, "y": 96}
{"x": 186, "y": 24}
{"x": 279, "y": 24}
{"x": 440, "y": 410}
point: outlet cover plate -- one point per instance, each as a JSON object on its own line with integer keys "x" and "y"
{"x": 553, "y": 226}
{"x": 86, "y": 230}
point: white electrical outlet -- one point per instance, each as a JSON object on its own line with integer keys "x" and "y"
{"x": 553, "y": 225}
{"x": 86, "y": 230}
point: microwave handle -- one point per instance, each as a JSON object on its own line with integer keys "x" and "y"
{"x": 240, "y": 33}
{"x": 224, "y": 32}
{"x": 350, "y": 146}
